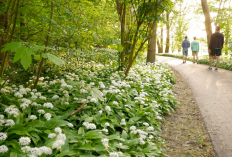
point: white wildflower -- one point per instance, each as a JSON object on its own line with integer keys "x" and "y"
{"x": 41, "y": 111}
{"x": 58, "y": 130}
{"x": 105, "y": 130}
{"x": 70, "y": 125}
{"x": 107, "y": 124}
{"x": 114, "y": 154}
{"x": 1, "y": 116}
{"x": 93, "y": 100}
{"x": 150, "y": 128}
{"x": 115, "y": 103}
{"x": 146, "y": 124}
{"x": 9, "y": 122}
{"x": 141, "y": 141}
{"x": 123, "y": 122}
{"x": 46, "y": 150}
{"x": 3, "y": 136}
{"x": 100, "y": 112}
{"x": 48, "y": 105}
{"x": 51, "y": 135}
{"x": 33, "y": 117}
{"x": 133, "y": 128}
{"x": 55, "y": 97}
{"x": 24, "y": 141}
{"x": 108, "y": 108}
{"x": 48, "y": 116}
{"x": 3, "y": 149}
{"x": 105, "y": 142}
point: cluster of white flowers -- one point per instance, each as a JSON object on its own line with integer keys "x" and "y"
{"x": 41, "y": 111}
{"x": 24, "y": 141}
{"x": 114, "y": 154}
{"x": 70, "y": 125}
{"x": 55, "y": 97}
{"x": 33, "y": 117}
{"x": 12, "y": 110}
{"x": 107, "y": 108}
{"x": 60, "y": 138}
{"x": 89, "y": 125}
{"x": 107, "y": 124}
{"x": 115, "y": 103}
{"x": 48, "y": 116}
{"x": 123, "y": 122}
{"x": 105, "y": 142}
{"x": 146, "y": 124}
{"x": 100, "y": 112}
{"x": 150, "y": 128}
{"x": 48, "y": 105}
{"x": 3, "y": 149}
{"x": 35, "y": 152}
{"x": 9, "y": 122}
{"x": 101, "y": 84}
{"x": 105, "y": 130}
{"x": 93, "y": 100}
{"x": 3, "y": 136}
{"x": 83, "y": 91}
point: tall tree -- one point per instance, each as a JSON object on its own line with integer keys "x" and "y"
{"x": 208, "y": 26}
{"x": 168, "y": 33}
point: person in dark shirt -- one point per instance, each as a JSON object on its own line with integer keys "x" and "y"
{"x": 185, "y": 45}
{"x": 215, "y": 47}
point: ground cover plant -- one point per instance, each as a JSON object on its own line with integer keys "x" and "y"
{"x": 116, "y": 116}
{"x": 224, "y": 63}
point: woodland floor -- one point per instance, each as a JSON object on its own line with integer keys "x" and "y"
{"x": 184, "y": 131}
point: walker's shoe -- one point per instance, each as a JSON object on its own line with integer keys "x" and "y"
{"x": 216, "y": 69}
{"x": 197, "y": 62}
{"x": 209, "y": 69}
{"x": 193, "y": 62}
{"x": 183, "y": 61}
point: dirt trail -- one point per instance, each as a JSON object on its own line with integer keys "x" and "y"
{"x": 184, "y": 132}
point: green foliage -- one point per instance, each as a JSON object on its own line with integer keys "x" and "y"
{"x": 24, "y": 53}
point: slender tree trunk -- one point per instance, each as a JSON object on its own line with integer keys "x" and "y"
{"x": 123, "y": 20}
{"x": 159, "y": 46}
{"x": 6, "y": 37}
{"x": 162, "y": 40}
{"x": 207, "y": 19}
{"x": 3, "y": 28}
{"x": 168, "y": 34}
{"x": 46, "y": 44}
{"x": 23, "y": 34}
{"x": 151, "y": 54}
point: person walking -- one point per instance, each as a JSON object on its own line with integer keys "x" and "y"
{"x": 185, "y": 46}
{"x": 195, "y": 49}
{"x": 215, "y": 47}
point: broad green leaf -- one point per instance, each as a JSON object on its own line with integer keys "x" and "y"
{"x": 81, "y": 131}
{"x": 134, "y": 142}
{"x": 94, "y": 135}
{"x": 53, "y": 58}
{"x": 99, "y": 148}
{"x": 113, "y": 137}
{"x": 97, "y": 94}
{"x": 86, "y": 147}
{"x": 37, "y": 57}
{"x": 13, "y": 46}
{"x": 24, "y": 53}
{"x": 67, "y": 153}
{"x": 14, "y": 144}
{"x": 124, "y": 135}
{"x": 13, "y": 154}
{"x": 36, "y": 123}
{"x": 149, "y": 148}
{"x": 37, "y": 47}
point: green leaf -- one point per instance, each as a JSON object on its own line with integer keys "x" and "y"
{"x": 148, "y": 149}
{"x": 55, "y": 123}
{"x": 124, "y": 135}
{"x": 67, "y": 153}
{"x": 86, "y": 147}
{"x": 97, "y": 94}
{"x": 53, "y": 58}
{"x": 13, "y": 46}
{"x": 14, "y": 144}
{"x": 37, "y": 47}
{"x": 36, "y": 123}
{"x": 99, "y": 148}
{"x": 13, "y": 154}
{"x": 81, "y": 131}
{"x": 24, "y": 53}
{"x": 37, "y": 57}
{"x": 113, "y": 137}
{"x": 94, "y": 135}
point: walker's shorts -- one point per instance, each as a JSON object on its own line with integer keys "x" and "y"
{"x": 216, "y": 52}
{"x": 185, "y": 52}
{"x": 195, "y": 53}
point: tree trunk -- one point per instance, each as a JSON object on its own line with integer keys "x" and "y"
{"x": 46, "y": 44}
{"x": 162, "y": 40}
{"x": 159, "y": 46}
{"x": 151, "y": 54}
{"x": 23, "y": 34}
{"x": 168, "y": 34}
{"x": 207, "y": 19}
{"x": 123, "y": 20}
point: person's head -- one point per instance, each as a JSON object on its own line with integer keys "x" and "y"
{"x": 217, "y": 28}
{"x": 194, "y": 38}
{"x": 186, "y": 37}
